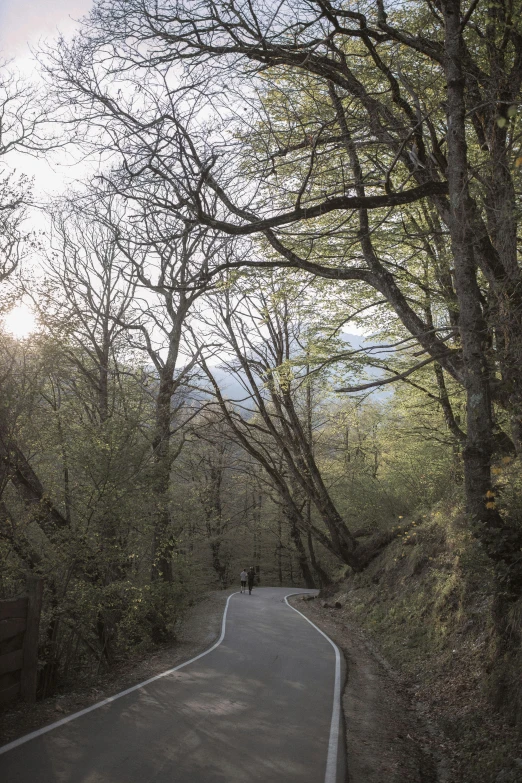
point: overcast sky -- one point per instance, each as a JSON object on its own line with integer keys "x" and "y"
{"x": 24, "y": 22}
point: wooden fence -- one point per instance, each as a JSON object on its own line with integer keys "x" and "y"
{"x": 19, "y": 627}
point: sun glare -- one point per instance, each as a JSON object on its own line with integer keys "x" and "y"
{"x": 20, "y": 321}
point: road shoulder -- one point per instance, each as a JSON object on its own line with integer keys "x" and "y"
{"x": 385, "y": 737}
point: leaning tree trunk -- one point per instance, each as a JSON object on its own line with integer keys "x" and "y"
{"x": 302, "y": 558}
{"x": 298, "y": 451}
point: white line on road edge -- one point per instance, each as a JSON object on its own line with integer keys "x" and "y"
{"x": 330, "y": 776}
{"x": 51, "y": 726}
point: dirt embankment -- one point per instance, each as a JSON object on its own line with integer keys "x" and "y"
{"x": 425, "y": 611}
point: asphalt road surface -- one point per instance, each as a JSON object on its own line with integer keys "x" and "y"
{"x": 262, "y": 705}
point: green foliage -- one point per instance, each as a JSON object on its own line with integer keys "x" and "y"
{"x": 100, "y": 604}
{"x": 381, "y": 465}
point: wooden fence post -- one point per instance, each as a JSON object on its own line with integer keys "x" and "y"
{"x": 30, "y": 666}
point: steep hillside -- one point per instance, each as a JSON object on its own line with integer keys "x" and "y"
{"x": 427, "y": 608}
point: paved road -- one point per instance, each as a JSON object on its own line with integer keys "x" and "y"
{"x": 258, "y": 707}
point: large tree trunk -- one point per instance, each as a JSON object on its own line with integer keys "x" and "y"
{"x": 163, "y": 539}
{"x": 501, "y": 541}
{"x": 473, "y": 328}
{"x": 502, "y": 217}
{"x": 322, "y": 576}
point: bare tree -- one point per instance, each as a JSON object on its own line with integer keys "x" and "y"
{"x": 24, "y": 128}
{"x": 85, "y": 297}
{"x": 23, "y": 119}
{"x": 420, "y": 113}
{"x": 261, "y": 333}
{"x": 166, "y": 258}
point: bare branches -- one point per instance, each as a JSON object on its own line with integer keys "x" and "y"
{"x": 330, "y": 205}
{"x": 384, "y": 381}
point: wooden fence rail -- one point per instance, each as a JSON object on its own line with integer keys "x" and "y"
{"x": 19, "y": 627}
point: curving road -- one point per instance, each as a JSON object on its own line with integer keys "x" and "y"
{"x": 261, "y": 705}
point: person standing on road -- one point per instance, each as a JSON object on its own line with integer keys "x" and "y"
{"x": 244, "y": 578}
{"x": 251, "y": 578}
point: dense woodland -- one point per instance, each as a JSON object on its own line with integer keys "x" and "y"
{"x": 279, "y": 316}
